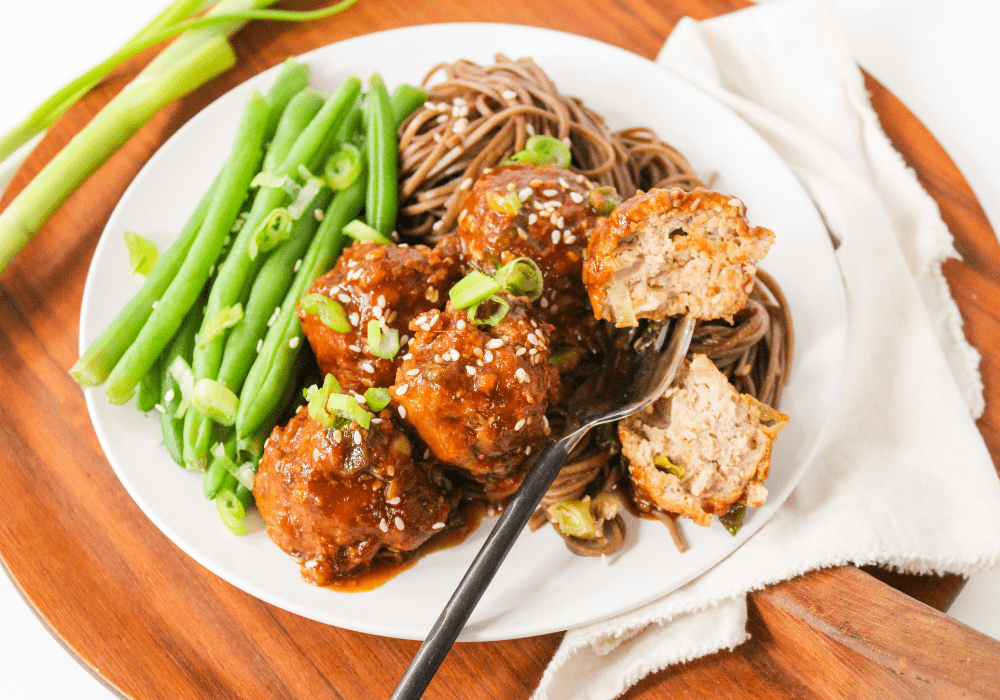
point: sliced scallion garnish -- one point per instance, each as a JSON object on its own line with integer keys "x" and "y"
{"x": 142, "y": 253}
{"x": 348, "y": 408}
{"x": 504, "y": 202}
{"x": 283, "y": 182}
{"x": 574, "y": 518}
{"x": 543, "y": 150}
{"x": 275, "y": 229}
{"x": 227, "y": 317}
{"x": 317, "y": 398}
{"x": 521, "y": 277}
{"x": 472, "y": 289}
{"x": 663, "y": 462}
{"x": 495, "y": 317}
{"x": 305, "y": 197}
{"x": 343, "y": 167}
{"x": 360, "y": 231}
{"x": 231, "y": 511}
{"x": 216, "y": 401}
{"x": 602, "y": 200}
{"x": 182, "y": 374}
{"x": 377, "y": 398}
{"x": 383, "y": 342}
{"x": 331, "y": 314}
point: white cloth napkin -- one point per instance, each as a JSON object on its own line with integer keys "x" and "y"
{"x": 903, "y": 478}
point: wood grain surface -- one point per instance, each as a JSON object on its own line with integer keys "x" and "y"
{"x": 151, "y": 623}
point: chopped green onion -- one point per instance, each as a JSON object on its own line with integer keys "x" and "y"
{"x": 343, "y": 167}
{"x": 574, "y": 518}
{"x": 383, "y": 342}
{"x": 244, "y": 473}
{"x": 182, "y": 374}
{"x": 231, "y": 511}
{"x": 282, "y": 182}
{"x": 331, "y": 314}
{"x": 348, "y": 408}
{"x": 472, "y": 289}
{"x": 733, "y": 520}
{"x": 377, "y": 398}
{"x": 663, "y": 462}
{"x": 275, "y": 229}
{"x": 142, "y": 253}
{"x": 606, "y": 505}
{"x": 521, "y": 277}
{"x": 227, "y": 317}
{"x": 602, "y": 200}
{"x": 305, "y": 197}
{"x": 495, "y": 317}
{"x": 543, "y": 150}
{"x": 317, "y": 398}
{"x": 504, "y": 202}
{"x": 360, "y": 231}
{"x": 216, "y": 401}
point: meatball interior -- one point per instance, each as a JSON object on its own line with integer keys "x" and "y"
{"x": 551, "y": 226}
{"x": 334, "y": 500}
{"x": 477, "y": 395}
{"x": 390, "y": 284}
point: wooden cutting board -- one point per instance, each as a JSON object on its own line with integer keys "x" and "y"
{"x": 151, "y": 623}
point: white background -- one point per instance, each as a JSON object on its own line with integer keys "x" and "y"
{"x": 940, "y": 57}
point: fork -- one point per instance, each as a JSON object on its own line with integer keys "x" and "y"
{"x": 637, "y": 370}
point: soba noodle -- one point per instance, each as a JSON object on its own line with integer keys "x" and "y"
{"x": 475, "y": 117}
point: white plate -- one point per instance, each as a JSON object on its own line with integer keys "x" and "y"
{"x": 541, "y": 587}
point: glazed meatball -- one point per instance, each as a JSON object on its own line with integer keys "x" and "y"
{"x": 477, "y": 395}
{"x": 551, "y": 226}
{"x": 336, "y": 500}
{"x": 393, "y": 284}
{"x": 670, "y": 252}
{"x": 702, "y": 447}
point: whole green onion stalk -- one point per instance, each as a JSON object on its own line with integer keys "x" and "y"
{"x": 200, "y": 53}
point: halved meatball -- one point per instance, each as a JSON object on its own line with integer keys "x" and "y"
{"x": 390, "y": 284}
{"x": 337, "y": 500}
{"x": 702, "y": 447}
{"x": 477, "y": 394}
{"x": 670, "y": 252}
{"x": 547, "y": 216}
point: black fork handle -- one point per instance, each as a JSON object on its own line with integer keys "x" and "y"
{"x": 463, "y": 601}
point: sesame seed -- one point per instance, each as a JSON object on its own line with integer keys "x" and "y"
{"x": 430, "y": 106}
{"x": 488, "y": 356}
{"x": 402, "y": 389}
{"x": 533, "y": 339}
{"x": 346, "y": 298}
{"x": 530, "y": 128}
{"x": 576, "y": 197}
{"x": 466, "y": 184}
{"x": 470, "y": 370}
{"x": 169, "y": 396}
{"x": 508, "y": 95}
{"x": 519, "y": 424}
{"x": 438, "y": 359}
{"x": 316, "y": 454}
{"x": 521, "y": 351}
{"x": 408, "y": 356}
{"x": 460, "y": 325}
{"x": 399, "y": 523}
{"x": 383, "y": 526}
{"x": 460, "y": 125}
{"x": 354, "y": 348}
{"x": 525, "y": 193}
{"x": 377, "y": 311}
{"x": 354, "y": 318}
{"x": 393, "y": 501}
{"x": 293, "y": 343}
{"x": 495, "y": 343}
{"x": 412, "y": 372}
{"x": 570, "y": 239}
{"x": 402, "y": 412}
{"x": 357, "y": 438}
{"x": 298, "y": 264}
{"x": 437, "y": 526}
{"x": 561, "y": 222}
{"x": 155, "y": 304}
{"x": 555, "y": 236}
{"x": 390, "y": 470}
{"x": 442, "y": 118}
{"x": 544, "y": 303}
{"x": 454, "y": 354}
{"x": 381, "y": 300}
{"x": 337, "y": 435}
{"x": 521, "y": 375}
{"x": 550, "y": 192}
{"x": 260, "y": 344}
{"x": 532, "y": 218}
{"x": 318, "y": 214}
{"x": 367, "y": 366}
{"x": 159, "y": 408}
{"x": 527, "y": 450}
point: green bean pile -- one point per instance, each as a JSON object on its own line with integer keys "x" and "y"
{"x": 211, "y": 339}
